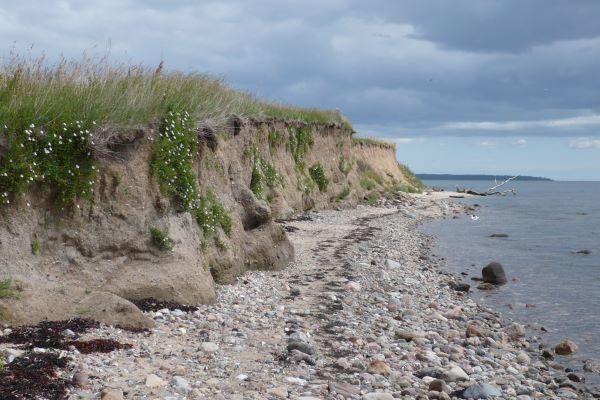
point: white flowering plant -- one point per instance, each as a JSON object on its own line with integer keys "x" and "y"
{"x": 58, "y": 156}
{"x": 172, "y": 164}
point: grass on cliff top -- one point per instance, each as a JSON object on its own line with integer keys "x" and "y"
{"x": 34, "y": 91}
{"x": 374, "y": 142}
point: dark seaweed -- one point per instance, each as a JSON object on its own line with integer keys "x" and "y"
{"x": 151, "y": 304}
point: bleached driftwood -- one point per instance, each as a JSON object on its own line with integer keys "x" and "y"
{"x": 490, "y": 191}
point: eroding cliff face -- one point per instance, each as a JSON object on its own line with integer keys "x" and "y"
{"x": 90, "y": 261}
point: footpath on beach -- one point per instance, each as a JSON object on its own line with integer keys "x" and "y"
{"x": 364, "y": 312}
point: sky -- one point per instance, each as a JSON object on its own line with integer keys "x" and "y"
{"x": 462, "y": 86}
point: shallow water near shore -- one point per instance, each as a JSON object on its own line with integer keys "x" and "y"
{"x": 548, "y": 285}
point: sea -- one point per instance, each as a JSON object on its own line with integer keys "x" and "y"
{"x": 551, "y": 287}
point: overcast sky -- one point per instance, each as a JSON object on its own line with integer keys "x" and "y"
{"x": 463, "y": 86}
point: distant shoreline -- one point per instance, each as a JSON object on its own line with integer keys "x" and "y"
{"x": 477, "y": 177}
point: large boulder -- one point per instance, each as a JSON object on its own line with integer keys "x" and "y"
{"x": 494, "y": 273}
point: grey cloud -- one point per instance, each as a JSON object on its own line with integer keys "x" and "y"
{"x": 403, "y": 67}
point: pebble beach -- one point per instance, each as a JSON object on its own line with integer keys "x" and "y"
{"x": 364, "y": 312}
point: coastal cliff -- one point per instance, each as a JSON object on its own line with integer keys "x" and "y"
{"x": 174, "y": 207}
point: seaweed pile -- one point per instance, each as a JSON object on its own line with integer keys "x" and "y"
{"x": 36, "y": 374}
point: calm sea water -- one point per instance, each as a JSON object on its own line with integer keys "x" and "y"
{"x": 545, "y": 221}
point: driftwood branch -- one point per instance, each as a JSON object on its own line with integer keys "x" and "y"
{"x": 492, "y": 190}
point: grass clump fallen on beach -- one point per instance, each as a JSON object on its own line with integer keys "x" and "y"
{"x": 172, "y": 164}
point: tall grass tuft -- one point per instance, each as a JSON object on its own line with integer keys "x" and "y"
{"x": 34, "y": 91}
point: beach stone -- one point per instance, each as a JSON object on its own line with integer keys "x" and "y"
{"x": 476, "y": 331}
{"x": 591, "y": 366}
{"x": 494, "y": 273}
{"x": 153, "y": 381}
{"x": 460, "y": 286}
{"x": 392, "y": 264}
{"x": 352, "y": 286}
{"x": 523, "y": 358}
{"x": 281, "y": 392}
{"x": 565, "y": 348}
{"x": 301, "y": 347}
{"x": 298, "y": 337}
{"x": 437, "y": 385}
{"x": 295, "y": 291}
{"x": 486, "y": 286}
{"x": 378, "y": 367}
{"x": 481, "y": 391}
{"x": 344, "y": 389}
{"x": 111, "y": 394}
{"x": 406, "y": 335}
{"x": 378, "y": 396}
{"x": 80, "y": 379}
{"x": 515, "y": 331}
{"x": 180, "y": 384}
{"x": 209, "y": 347}
{"x": 456, "y": 374}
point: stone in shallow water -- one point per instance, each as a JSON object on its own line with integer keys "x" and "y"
{"x": 494, "y": 273}
{"x": 481, "y": 391}
{"x": 565, "y": 348}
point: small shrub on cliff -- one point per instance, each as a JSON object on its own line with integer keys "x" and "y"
{"x": 344, "y": 193}
{"x": 160, "y": 239}
{"x": 317, "y": 173}
{"x": 372, "y": 198}
{"x": 344, "y": 165}
{"x": 299, "y": 141}
{"x": 172, "y": 164}
{"x": 262, "y": 172}
{"x": 35, "y": 247}
{"x": 5, "y": 289}
{"x": 58, "y": 155}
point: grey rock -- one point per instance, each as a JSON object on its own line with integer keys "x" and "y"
{"x": 494, "y": 273}
{"x": 481, "y": 391}
{"x": 180, "y": 384}
{"x": 300, "y": 346}
{"x": 345, "y": 389}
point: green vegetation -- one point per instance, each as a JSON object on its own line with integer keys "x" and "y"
{"x": 160, "y": 239}
{"x": 373, "y": 142}
{"x": 172, "y": 164}
{"x": 56, "y": 155}
{"x": 262, "y": 172}
{"x": 343, "y": 194}
{"x": 411, "y": 177}
{"x": 299, "y": 141}
{"x": 372, "y": 198}
{"x": 318, "y": 176}
{"x": 344, "y": 165}
{"x": 398, "y": 187}
{"x": 35, "y": 247}
{"x": 33, "y": 91}
{"x": 5, "y": 289}
{"x": 276, "y": 139}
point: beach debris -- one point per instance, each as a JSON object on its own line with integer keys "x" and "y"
{"x": 498, "y": 235}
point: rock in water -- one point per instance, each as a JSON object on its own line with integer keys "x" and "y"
{"x": 565, "y": 348}
{"x": 481, "y": 391}
{"x": 460, "y": 286}
{"x": 493, "y": 273}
